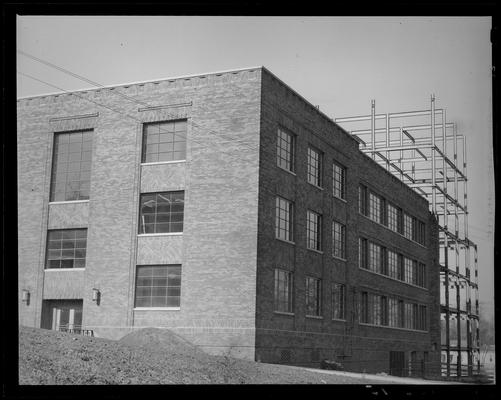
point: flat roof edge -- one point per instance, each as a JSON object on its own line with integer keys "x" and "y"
{"x": 308, "y": 102}
{"x": 141, "y": 82}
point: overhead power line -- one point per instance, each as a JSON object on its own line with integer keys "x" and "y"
{"x": 115, "y": 111}
{"x": 130, "y": 98}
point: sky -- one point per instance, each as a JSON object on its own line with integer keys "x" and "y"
{"x": 338, "y": 63}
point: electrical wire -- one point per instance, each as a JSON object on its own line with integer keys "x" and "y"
{"x": 120, "y": 94}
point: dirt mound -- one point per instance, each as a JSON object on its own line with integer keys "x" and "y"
{"x": 146, "y": 356}
{"x": 159, "y": 339}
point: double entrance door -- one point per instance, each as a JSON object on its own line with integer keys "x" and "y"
{"x": 63, "y": 315}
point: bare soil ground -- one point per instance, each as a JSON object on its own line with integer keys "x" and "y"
{"x": 146, "y": 356}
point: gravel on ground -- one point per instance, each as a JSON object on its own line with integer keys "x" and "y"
{"x": 145, "y": 356}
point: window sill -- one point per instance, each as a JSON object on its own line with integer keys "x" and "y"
{"x": 393, "y": 279}
{"x": 391, "y": 230}
{"x": 314, "y": 316}
{"x": 340, "y": 199}
{"x": 290, "y": 314}
{"x": 339, "y": 258}
{"x": 393, "y": 327}
{"x": 338, "y": 320}
{"x": 286, "y": 170}
{"x": 157, "y": 308}
{"x": 64, "y": 269}
{"x": 163, "y": 162}
{"x": 68, "y": 201}
{"x": 160, "y": 234}
{"x": 316, "y": 186}
{"x": 285, "y": 241}
{"x": 315, "y": 250}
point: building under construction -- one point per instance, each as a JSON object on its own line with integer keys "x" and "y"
{"x": 426, "y": 152}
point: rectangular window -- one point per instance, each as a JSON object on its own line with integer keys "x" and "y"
{"x": 339, "y": 239}
{"x": 313, "y": 296}
{"x": 161, "y": 212}
{"x": 375, "y": 207}
{"x": 339, "y": 180}
{"x": 285, "y": 150}
{"x": 421, "y": 239}
{"x": 362, "y": 253}
{"x": 164, "y": 141}
{"x": 421, "y": 275}
{"x": 422, "y": 324}
{"x": 407, "y": 226}
{"x": 284, "y": 218}
{"x": 71, "y": 162}
{"x": 66, "y": 248}
{"x": 384, "y": 310}
{"x": 414, "y": 229}
{"x": 409, "y": 316}
{"x": 410, "y": 267}
{"x": 393, "y": 265}
{"x": 313, "y": 230}
{"x": 338, "y": 301}
{"x": 393, "y": 314}
{"x": 158, "y": 286}
{"x": 375, "y": 305}
{"x": 394, "y": 218}
{"x": 283, "y": 290}
{"x": 362, "y": 200}
{"x": 401, "y": 314}
{"x": 314, "y": 167}
{"x": 375, "y": 259}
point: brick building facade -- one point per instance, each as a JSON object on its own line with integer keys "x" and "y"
{"x": 227, "y": 208}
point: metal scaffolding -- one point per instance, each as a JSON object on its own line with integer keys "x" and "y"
{"x": 425, "y": 151}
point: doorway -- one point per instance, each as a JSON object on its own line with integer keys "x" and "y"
{"x": 62, "y": 315}
{"x": 397, "y": 363}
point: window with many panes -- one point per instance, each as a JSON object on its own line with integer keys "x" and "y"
{"x": 66, "y": 248}
{"x": 409, "y": 271}
{"x": 313, "y": 230}
{"x": 161, "y": 212}
{"x": 393, "y": 265}
{"x": 420, "y": 232}
{"x": 375, "y": 258}
{"x": 284, "y": 219}
{"x": 393, "y": 313}
{"x": 283, "y": 290}
{"x": 71, "y": 163}
{"x": 338, "y": 301}
{"x": 339, "y": 239}
{"x": 394, "y": 218}
{"x": 314, "y": 167}
{"x": 339, "y": 180}
{"x": 421, "y": 275}
{"x": 164, "y": 141}
{"x": 409, "y": 316}
{"x": 375, "y": 209}
{"x": 407, "y": 226}
{"x": 285, "y": 150}
{"x": 313, "y": 296}
{"x": 158, "y": 286}
{"x": 375, "y": 306}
